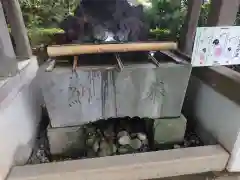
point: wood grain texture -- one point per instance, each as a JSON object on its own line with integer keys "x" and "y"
{"x": 129, "y": 167}
{"x": 222, "y": 12}
{"x": 189, "y": 27}
{"x": 5, "y": 41}
{"x": 18, "y": 29}
{"x": 65, "y": 50}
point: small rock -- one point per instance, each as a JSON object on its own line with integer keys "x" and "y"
{"x": 95, "y": 146}
{"x": 109, "y": 132}
{"x": 105, "y": 149}
{"x": 142, "y": 136}
{"x": 176, "y": 146}
{"x": 136, "y": 144}
{"x": 112, "y": 147}
{"x": 90, "y": 141}
{"x": 145, "y": 142}
{"x": 122, "y": 133}
{"x": 123, "y": 150}
{"x": 124, "y": 140}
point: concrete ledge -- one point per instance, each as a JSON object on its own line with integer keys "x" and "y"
{"x": 10, "y": 86}
{"x": 20, "y": 113}
{"x": 129, "y": 167}
{"x": 222, "y": 79}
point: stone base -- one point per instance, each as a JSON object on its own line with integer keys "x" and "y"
{"x": 169, "y": 130}
{"x": 65, "y": 141}
{"x": 70, "y": 140}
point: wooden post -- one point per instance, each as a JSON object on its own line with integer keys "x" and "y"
{"x": 223, "y": 12}
{"x": 190, "y": 25}
{"x": 5, "y": 41}
{"x": 8, "y": 64}
{"x": 18, "y": 29}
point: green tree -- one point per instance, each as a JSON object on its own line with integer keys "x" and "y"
{"x": 46, "y": 13}
{"x": 166, "y": 14}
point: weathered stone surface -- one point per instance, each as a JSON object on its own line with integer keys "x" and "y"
{"x": 169, "y": 130}
{"x": 65, "y": 141}
{"x": 139, "y": 90}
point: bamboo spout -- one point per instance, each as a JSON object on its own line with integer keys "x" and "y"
{"x": 66, "y": 50}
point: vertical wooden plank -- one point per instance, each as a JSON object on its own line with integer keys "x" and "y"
{"x": 18, "y": 29}
{"x": 223, "y": 12}
{"x": 8, "y": 64}
{"x": 5, "y": 41}
{"x": 189, "y": 26}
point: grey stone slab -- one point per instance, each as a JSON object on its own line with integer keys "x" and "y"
{"x": 65, "y": 141}
{"x": 139, "y": 90}
{"x": 169, "y": 130}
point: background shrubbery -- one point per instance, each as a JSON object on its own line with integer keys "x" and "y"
{"x": 165, "y": 17}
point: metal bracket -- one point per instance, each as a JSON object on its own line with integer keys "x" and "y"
{"x": 75, "y": 63}
{"x": 119, "y": 61}
{"x": 154, "y": 60}
{"x": 51, "y": 65}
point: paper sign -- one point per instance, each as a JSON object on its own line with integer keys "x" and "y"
{"x": 216, "y": 46}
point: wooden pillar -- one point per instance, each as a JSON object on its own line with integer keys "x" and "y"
{"x": 189, "y": 26}
{"x": 8, "y": 64}
{"x": 18, "y": 29}
{"x": 5, "y": 40}
{"x": 223, "y": 12}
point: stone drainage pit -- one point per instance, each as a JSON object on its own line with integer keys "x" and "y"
{"x": 116, "y": 136}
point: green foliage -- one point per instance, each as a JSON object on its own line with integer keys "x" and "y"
{"x": 166, "y": 14}
{"x": 160, "y": 34}
{"x": 204, "y": 14}
{"x": 46, "y": 13}
{"x": 166, "y": 17}
{"x": 42, "y": 36}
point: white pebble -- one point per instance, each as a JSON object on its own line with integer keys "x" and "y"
{"x": 176, "y": 146}
{"x": 122, "y": 133}
{"x": 124, "y": 140}
{"x": 136, "y": 143}
{"x": 114, "y": 149}
{"x": 103, "y": 145}
{"x": 142, "y": 136}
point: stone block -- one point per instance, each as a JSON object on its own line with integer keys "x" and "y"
{"x": 66, "y": 141}
{"x": 169, "y": 130}
{"x": 139, "y": 90}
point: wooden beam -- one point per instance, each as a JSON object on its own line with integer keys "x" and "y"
{"x": 190, "y": 25}
{"x": 223, "y": 12}
{"x": 148, "y": 165}
{"x": 65, "y": 50}
{"x": 18, "y": 29}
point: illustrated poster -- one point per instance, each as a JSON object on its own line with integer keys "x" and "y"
{"x": 216, "y": 46}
